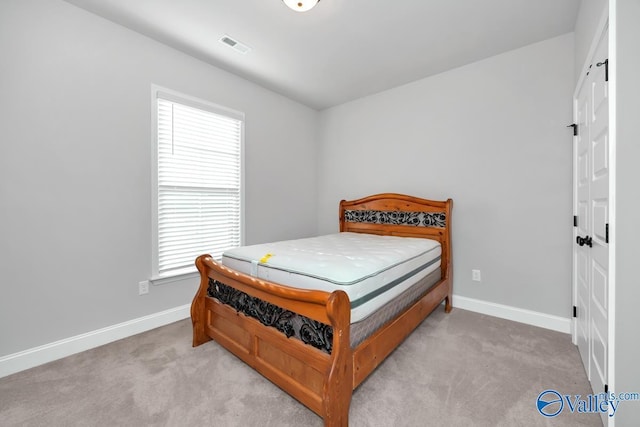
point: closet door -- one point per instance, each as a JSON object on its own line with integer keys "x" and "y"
{"x": 591, "y": 198}
{"x": 582, "y": 255}
{"x": 599, "y": 207}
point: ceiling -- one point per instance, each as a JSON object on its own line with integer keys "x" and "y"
{"x": 342, "y": 49}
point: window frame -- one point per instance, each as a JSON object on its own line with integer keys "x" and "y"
{"x": 205, "y": 105}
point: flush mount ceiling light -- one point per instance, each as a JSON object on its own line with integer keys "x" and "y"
{"x": 301, "y": 5}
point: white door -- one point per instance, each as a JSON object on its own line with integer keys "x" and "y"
{"x": 591, "y": 255}
{"x": 599, "y": 206}
{"x": 582, "y": 163}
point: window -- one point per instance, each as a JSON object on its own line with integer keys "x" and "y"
{"x": 198, "y": 182}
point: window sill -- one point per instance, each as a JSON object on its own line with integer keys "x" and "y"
{"x": 174, "y": 278}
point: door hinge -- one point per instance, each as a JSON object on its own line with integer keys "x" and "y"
{"x": 575, "y": 220}
{"x": 606, "y": 388}
{"x": 575, "y": 311}
{"x": 606, "y": 68}
{"x": 575, "y": 128}
{"x": 606, "y": 233}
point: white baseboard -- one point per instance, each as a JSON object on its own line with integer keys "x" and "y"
{"x": 529, "y": 317}
{"x": 26, "y": 359}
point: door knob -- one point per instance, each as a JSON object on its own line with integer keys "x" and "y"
{"x": 587, "y": 240}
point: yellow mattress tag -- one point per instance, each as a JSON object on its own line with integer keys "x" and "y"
{"x": 265, "y": 258}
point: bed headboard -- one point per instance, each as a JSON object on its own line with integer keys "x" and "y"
{"x": 401, "y": 215}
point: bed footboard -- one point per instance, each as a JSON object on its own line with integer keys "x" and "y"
{"x": 321, "y": 381}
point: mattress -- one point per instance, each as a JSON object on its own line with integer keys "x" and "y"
{"x": 371, "y": 269}
{"x": 361, "y": 330}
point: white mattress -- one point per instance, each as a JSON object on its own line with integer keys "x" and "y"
{"x": 371, "y": 269}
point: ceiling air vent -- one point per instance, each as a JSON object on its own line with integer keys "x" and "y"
{"x": 235, "y": 44}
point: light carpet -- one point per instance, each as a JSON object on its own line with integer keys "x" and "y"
{"x": 457, "y": 369}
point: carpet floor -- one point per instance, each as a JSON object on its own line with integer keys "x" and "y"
{"x": 457, "y": 369}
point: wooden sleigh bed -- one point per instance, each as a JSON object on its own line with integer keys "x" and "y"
{"x": 323, "y": 381}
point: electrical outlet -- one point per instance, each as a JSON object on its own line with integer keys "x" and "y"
{"x": 143, "y": 287}
{"x": 475, "y": 276}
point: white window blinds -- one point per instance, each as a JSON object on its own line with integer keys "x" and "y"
{"x": 199, "y": 180}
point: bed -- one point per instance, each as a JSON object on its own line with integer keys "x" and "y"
{"x": 318, "y": 334}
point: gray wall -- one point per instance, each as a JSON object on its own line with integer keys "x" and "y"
{"x": 492, "y": 136}
{"x": 75, "y": 160}
{"x": 627, "y": 204}
{"x": 588, "y": 19}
